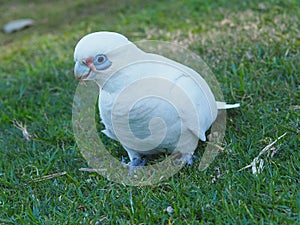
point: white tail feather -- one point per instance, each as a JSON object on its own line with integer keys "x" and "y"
{"x": 224, "y": 105}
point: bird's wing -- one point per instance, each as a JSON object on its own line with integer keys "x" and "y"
{"x": 200, "y": 93}
{"x": 162, "y": 77}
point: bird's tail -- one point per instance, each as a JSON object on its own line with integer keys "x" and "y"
{"x": 224, "y": 105}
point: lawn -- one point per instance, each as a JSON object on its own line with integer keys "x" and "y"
{"x": 253, "y": 48}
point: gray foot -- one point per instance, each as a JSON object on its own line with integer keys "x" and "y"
{"x": 187, "y": 158}
{"x": 190, "y": 161}
{"x": 137, "y": 162}
{"x": 134, "y": 164}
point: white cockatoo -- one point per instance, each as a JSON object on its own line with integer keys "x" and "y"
{"x": 147, "y": 102}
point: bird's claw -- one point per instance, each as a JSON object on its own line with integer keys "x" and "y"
{"x": 137, "y": 162}
{"x": 134, "y": 164}
{"x": 190, "y": 161}
{"x": 186, "y": 159}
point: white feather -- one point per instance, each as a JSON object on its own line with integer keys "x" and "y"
{"x": 224, "y": 105}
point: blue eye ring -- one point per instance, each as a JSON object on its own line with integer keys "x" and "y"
{"x": 101, "y": 62}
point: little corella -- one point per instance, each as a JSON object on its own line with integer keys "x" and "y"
{"x": 147, "y": 102}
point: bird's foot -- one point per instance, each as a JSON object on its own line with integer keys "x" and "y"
{"x": 134, "y": 164}
{"x": 190, "y": 162}
{"x": 186, "y": 158}
{"x": 137, "y": 162}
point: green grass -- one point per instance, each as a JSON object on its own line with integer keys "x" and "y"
{"x": 253, "y": 47}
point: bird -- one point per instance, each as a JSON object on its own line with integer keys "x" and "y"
{"x": 149, "y": 103}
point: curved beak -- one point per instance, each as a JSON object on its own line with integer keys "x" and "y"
{"x": 81, "y": 71}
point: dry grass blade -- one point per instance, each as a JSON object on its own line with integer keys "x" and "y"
{"x": 92, "y": 170}
{"x": 269, "y": 146}
{"x": 47, "y": 177}
{"x": 256, "y": 161}
{"x": 23, "y": 128}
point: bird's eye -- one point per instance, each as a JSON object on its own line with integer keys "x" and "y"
{"x": 101, "y": 62}
{"x": 100, "y": 59}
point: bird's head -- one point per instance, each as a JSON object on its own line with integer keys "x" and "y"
{"x": 91, "y": 51}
